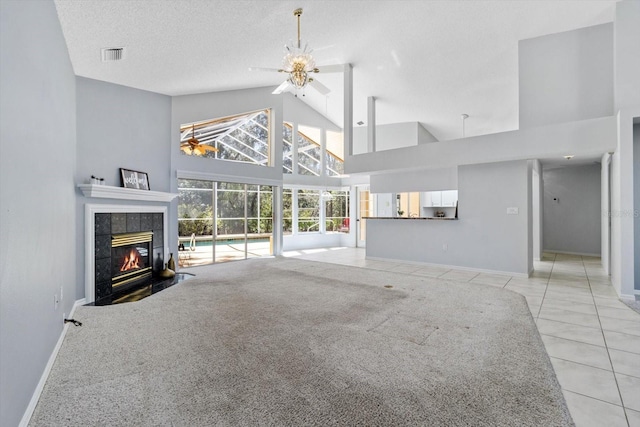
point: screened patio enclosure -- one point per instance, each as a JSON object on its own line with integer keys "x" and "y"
{"x": 242, "y": 215}
{"x": 224, "y": 221}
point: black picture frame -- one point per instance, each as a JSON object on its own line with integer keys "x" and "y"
{"x": 134, "y": 179}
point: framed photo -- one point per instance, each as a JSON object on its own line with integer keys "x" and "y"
{"x": 134, "y": 179}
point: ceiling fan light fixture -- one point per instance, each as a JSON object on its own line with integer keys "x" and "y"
{"x": 298, "y": 61}
{"x": 193, "y": 147}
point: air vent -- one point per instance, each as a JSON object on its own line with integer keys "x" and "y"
{"x": 112, "y": 54}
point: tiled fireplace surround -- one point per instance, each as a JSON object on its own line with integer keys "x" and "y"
{"x": 103, "y": 221}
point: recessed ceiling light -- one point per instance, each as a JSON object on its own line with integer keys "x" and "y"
{"x": 568, "y": 157}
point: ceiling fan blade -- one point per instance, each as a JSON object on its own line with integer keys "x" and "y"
{"x": 319, "y": 87}
{"x": 338, "y": 68}
{"x": 263, "y": 69}
{"x": 281, "y": 88}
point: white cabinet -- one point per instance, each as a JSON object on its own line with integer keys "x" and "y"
{"x": 432, "y": 198}
{"x": 449, "y": 198}
{"x": 438, "y": 199}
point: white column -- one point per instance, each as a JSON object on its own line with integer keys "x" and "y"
{"x": 371, "y": 124}
{"x": 348, "y": 110}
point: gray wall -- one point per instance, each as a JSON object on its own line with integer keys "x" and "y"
{"x": 566, "y": 76}
{"x": 419, "y": 180}
{"x": 484, "y": 237}
{"x": 636, "y": 203}
{"x": 627, "y": 60}
{"x": 572, "y": 223}
{"x": 37, "y": 177}
{"x": 119, "y": 126}
{"x": 627, "y": 107}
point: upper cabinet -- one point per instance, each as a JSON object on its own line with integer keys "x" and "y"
{"x": 438, "y": 199}
{"x": 449, "y": 198}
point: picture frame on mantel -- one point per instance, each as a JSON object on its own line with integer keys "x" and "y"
{"x": 134, "y": 179}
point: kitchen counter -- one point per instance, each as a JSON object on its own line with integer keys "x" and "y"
{"x": 414, "y": 218}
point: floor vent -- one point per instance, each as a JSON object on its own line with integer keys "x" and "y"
{"x": 112, "y": 54}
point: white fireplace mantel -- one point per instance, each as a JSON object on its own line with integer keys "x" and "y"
{"x": 109, "y": 192}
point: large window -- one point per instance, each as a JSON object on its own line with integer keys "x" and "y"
{"x": 315, "y": 211}
{"x": 287, "y": 211}
{"x": 239, "y": 138}
{"x": 308, "y": 210}
{"x": 312, "y": 159}
{"x": 287, "y": 148}
{"x": 336, "y": 211}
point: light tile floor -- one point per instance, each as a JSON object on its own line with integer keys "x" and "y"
{"x": 592, "y": 339}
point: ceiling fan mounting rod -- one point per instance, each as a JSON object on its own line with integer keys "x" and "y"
{"x": 297, "y": 13}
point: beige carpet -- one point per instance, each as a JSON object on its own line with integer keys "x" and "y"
{"x": 289, "y": 342}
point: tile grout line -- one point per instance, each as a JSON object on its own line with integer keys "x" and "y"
{"x": 545, "y": 288}
{"x": 606, "y": 346}
{"x": 594, "y": 398}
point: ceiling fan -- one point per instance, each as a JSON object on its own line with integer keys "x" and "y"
{"x": 193, "y": 146}
{"x": 299, "y": 64}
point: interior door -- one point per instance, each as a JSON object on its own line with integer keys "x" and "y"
{"x": 365, "y": 209}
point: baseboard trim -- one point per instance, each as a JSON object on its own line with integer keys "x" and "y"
{"x": 628, "y": 297}
{"x": 24, "y": 422}
{"x": 452, "y": 267}
{"x": 572, "y": 253}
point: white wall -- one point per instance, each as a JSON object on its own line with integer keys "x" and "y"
{"x": 591, "y": 137}
{"x": 627, "y": 60}
{"x": 537, "y": 191}
{"x": 390, "y": 136}
{"x": 417, "y": 180}
{"x": 605, "y": 208}
{"x": 294, "y": 110}
{"x": 484, "y": 237}
{"x": 386, "y": 205}
{"x": 572, "y": 221}
{"x": 37, "y": 180}
{"x": 566, "y": 76}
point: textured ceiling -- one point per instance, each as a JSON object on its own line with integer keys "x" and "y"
{"x": 424, "y": 61}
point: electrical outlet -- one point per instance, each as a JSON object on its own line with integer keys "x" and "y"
{"x": 512, "y": 211}
{"x": 445, "y": 247}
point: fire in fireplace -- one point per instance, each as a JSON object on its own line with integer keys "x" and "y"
{"x": 131, "y": 258}
{"x": 131, "y": 261}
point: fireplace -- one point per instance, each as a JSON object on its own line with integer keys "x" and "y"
{"x": 130, "y": 259}
{"x": 126, "y": 247}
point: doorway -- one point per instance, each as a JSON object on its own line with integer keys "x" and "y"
{"x": 365, "y": 202}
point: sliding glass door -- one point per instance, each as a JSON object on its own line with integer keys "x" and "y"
{"x": 243, "y": 218}
{"x": 195, "y": 222}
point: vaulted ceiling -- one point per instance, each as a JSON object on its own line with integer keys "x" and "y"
{"x": 423, "y": 61}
